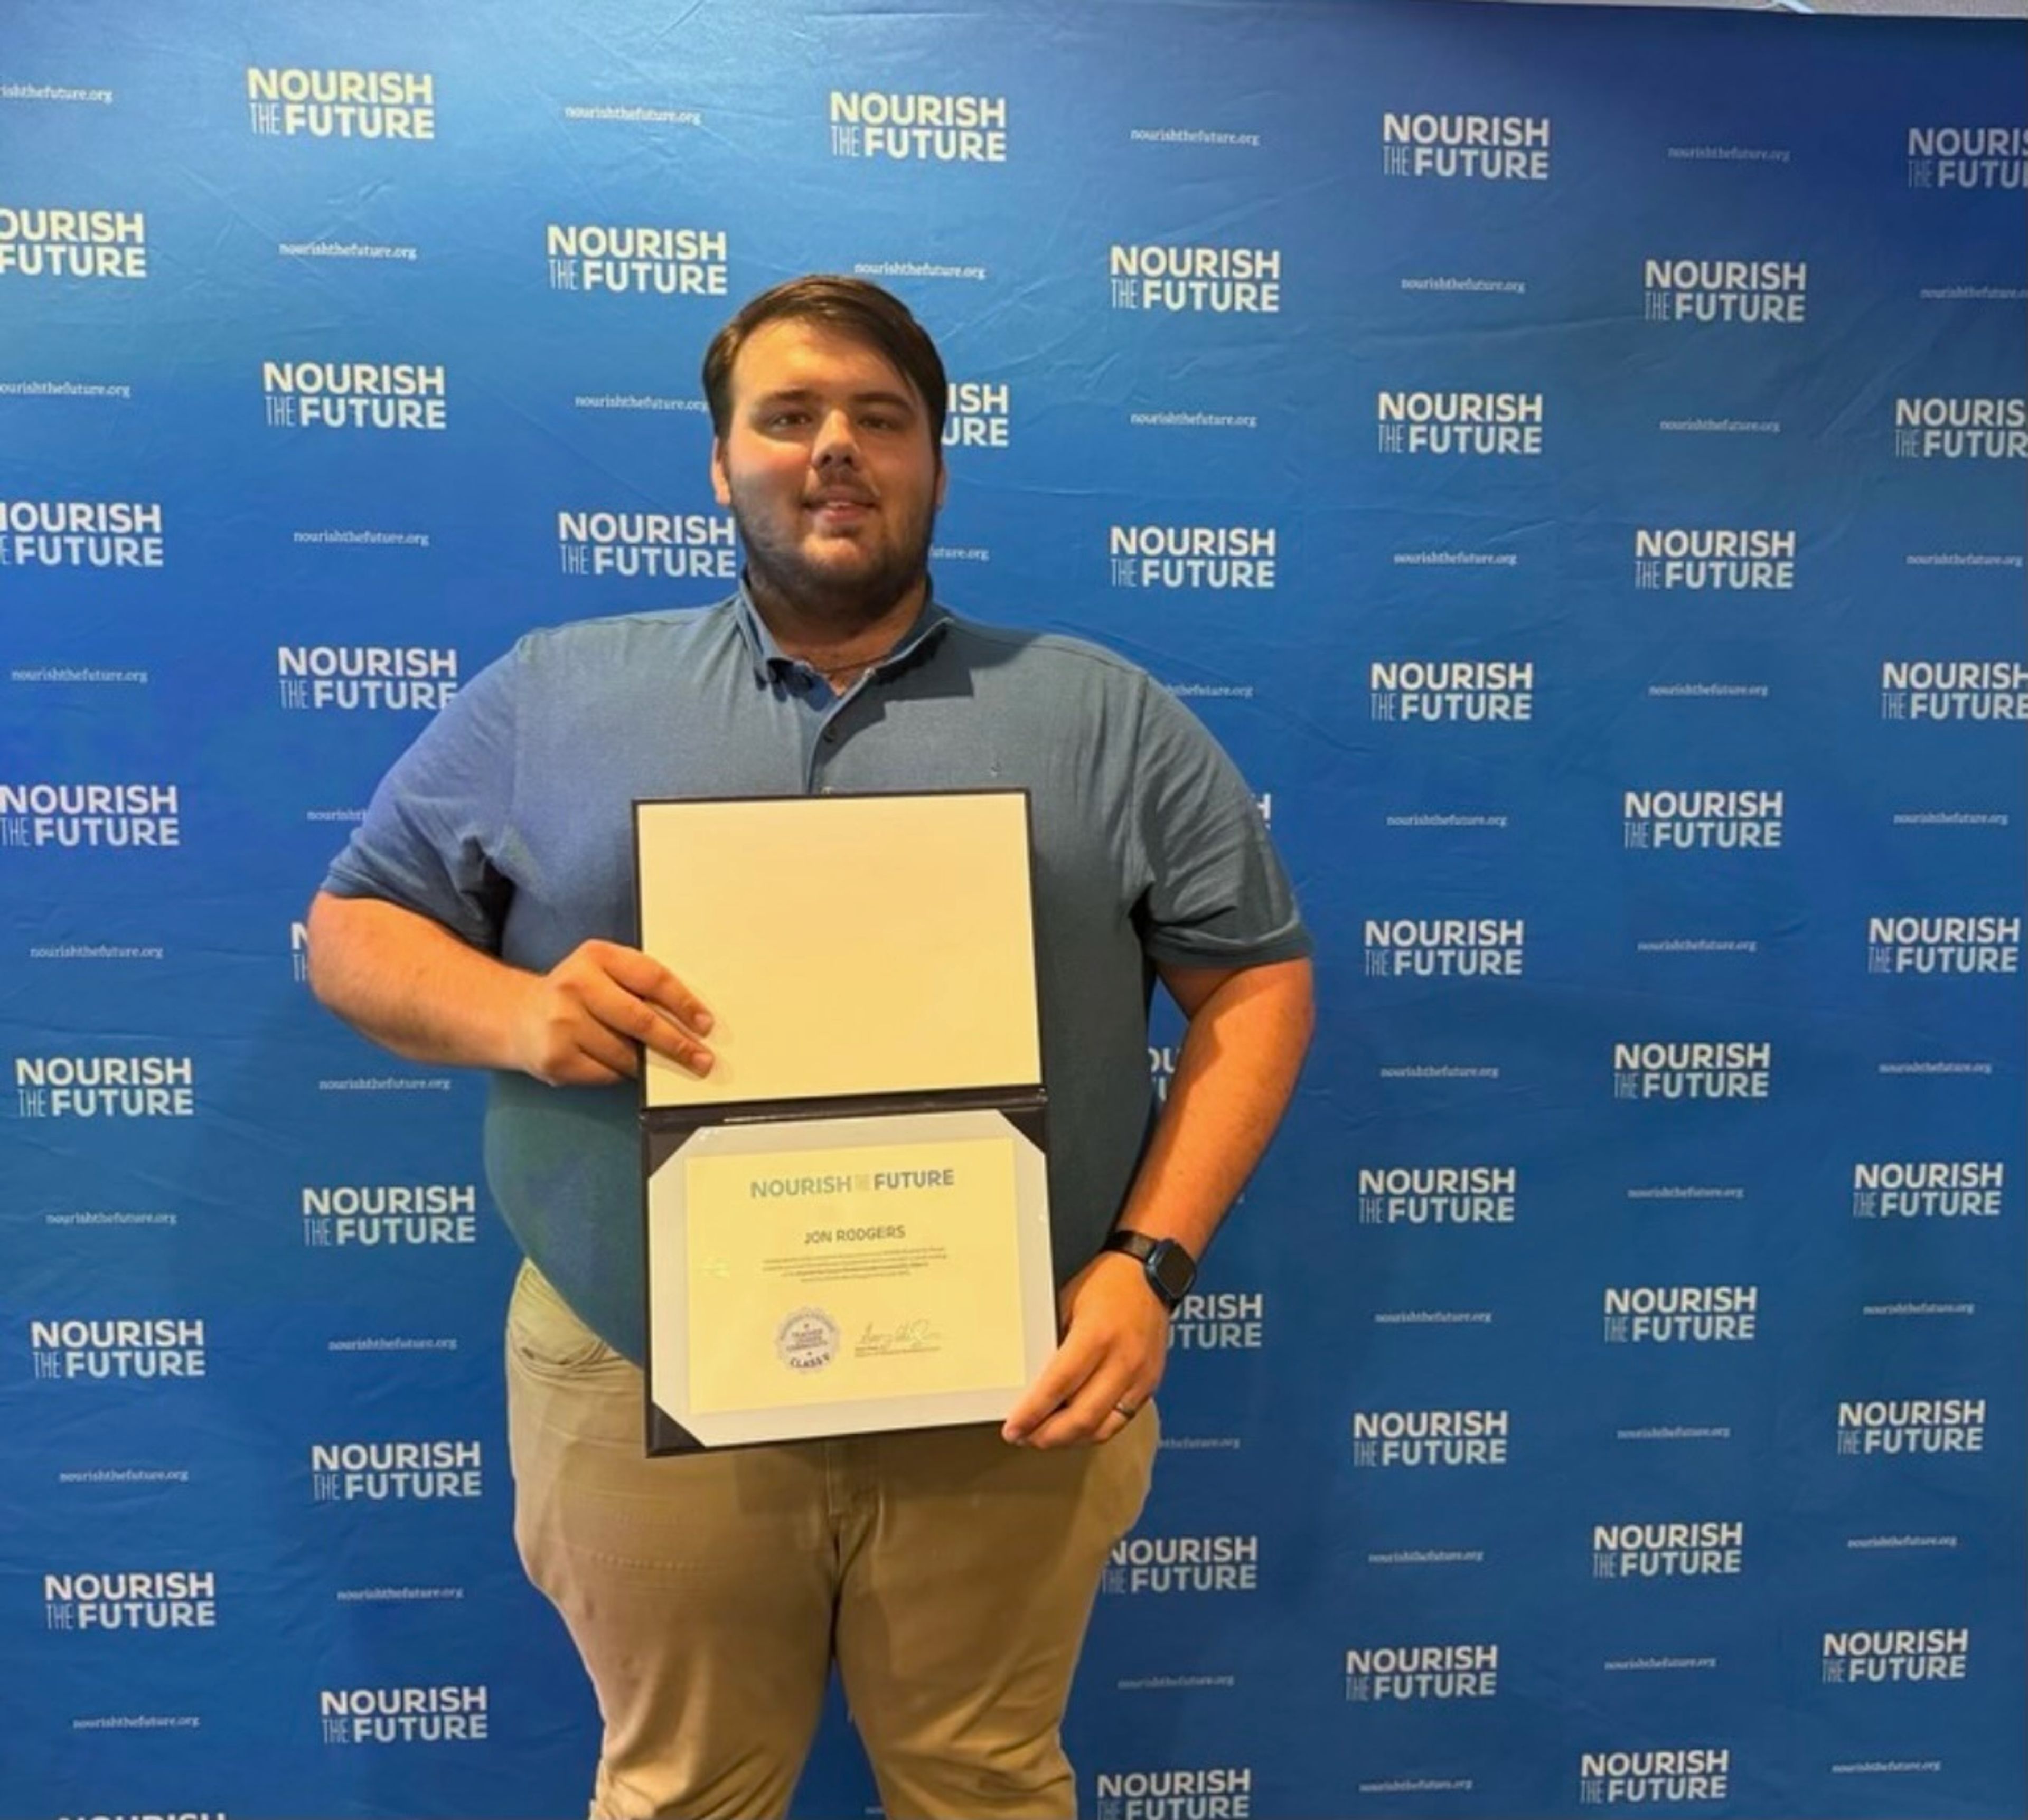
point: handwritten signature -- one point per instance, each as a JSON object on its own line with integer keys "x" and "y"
{"x": 903, "y": 1337}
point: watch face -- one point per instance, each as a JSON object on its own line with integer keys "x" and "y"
{"x": 1171, "y": 1267}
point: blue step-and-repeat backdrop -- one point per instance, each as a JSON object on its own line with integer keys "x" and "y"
{"x": 1573, "y": 458}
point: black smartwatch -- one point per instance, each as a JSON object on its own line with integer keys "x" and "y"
{"x": 1170, "y": 1269}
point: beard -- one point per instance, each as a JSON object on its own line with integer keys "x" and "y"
{"x": 890, "y": 557}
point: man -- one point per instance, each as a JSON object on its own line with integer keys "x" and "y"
{"x": 474, "y": 919}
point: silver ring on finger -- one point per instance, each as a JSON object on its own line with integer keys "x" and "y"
{"x": 1124, "y": 1413}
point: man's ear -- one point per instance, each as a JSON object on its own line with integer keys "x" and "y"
{"x": 943, "y": 479}
{"x": 721, "y": 485}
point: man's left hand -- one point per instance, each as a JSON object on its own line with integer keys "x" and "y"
{"x": 1115, "y": 1341}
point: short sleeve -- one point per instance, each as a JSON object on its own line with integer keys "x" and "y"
{"x": 1216, "y": 894}
{"x": 440, "y": 818}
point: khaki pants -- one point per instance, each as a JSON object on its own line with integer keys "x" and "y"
{"x": 949, "y": 1574}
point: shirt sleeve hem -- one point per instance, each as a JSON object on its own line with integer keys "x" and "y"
{"x": 341, "y": 881}
{"x": 1296, "y": 945}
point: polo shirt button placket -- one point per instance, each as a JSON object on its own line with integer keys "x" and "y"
{"x": 826, "y": 743}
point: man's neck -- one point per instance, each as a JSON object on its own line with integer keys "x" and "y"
{"x": 842, "y": 643}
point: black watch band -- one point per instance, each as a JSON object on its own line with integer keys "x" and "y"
{"x": 1170, "y": 1269}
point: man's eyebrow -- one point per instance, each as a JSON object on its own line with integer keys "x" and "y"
{"x": 803, "y": 395}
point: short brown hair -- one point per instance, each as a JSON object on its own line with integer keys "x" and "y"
{"x": 849, "y": 306}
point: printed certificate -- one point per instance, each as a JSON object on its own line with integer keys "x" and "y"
{"x": 833, "y": 1276}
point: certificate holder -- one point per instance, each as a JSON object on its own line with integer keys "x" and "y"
{"x": 847, "y": 1220}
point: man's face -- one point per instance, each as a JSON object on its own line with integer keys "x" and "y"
{"x": 827, "y": 464}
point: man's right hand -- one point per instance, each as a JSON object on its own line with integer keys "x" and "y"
{"x": 406, "y": 981}
{"x": 577, "y": 1024}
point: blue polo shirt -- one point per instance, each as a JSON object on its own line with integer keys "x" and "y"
{"x": 509, "y": 821}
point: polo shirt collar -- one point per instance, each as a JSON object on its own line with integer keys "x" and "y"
{"x": 771, "y": 660}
